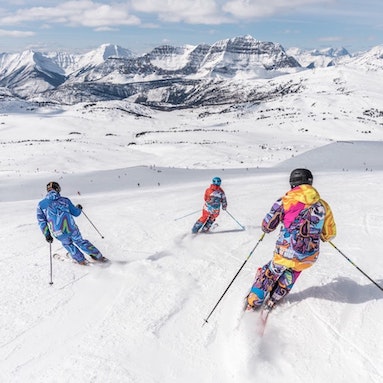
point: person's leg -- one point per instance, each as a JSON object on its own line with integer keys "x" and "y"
{"x": 285, "y": 284}
{"x": 197, "y": 226}
{"x": 209, "y": 222}
{"x": 265, "y": 280}
{"x": 72, "y": 250}
{"x": 85, "y": 246}
{"x": 200, "y": 222}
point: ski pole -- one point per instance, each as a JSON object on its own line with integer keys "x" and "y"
{"x": 92, "y": 224}
{"x": 187, "y": 215}
{"x": 340, "y": 252}
{"x": 50, "y": 261}
{"x": 235, "y": 276}
{"x": 242, "y": 227}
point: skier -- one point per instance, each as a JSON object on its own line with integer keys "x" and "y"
{"x": 55, "y": 218}
{"x": 305, "y": 220}
{"x": 214, "y": 198}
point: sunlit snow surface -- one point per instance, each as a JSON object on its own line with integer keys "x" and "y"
{"x": 139, "y": 175}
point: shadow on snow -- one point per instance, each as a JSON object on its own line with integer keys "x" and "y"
{"x": 344, "y": 290}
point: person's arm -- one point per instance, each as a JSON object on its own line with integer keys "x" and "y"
{"x": 329, "y": 226}
{"x": 74, "y": 210}
{"x": 43, "y": 224}
{"x": 206, "y": 196}
{"x": 273, "y": 218}
{"x": 224, "y": 201}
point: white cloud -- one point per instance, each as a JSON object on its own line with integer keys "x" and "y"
{"x": 218, "y": 11}
{"x": 75, "y": 13}
{"x": 188, "y": 11}
{"x": 250, "y": 9}
{"x": 16, "y": 34}
{"x": 107, "y": 14}
{"x": 105, "y": 29}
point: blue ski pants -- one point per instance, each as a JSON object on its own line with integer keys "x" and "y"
{"x": 74, "y": 242}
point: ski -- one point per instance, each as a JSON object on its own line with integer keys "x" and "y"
{"x": 263, "y": 311}
{"x": 264, "y": 315}
{"x": 62, "y": 257}
{"x": 267, "y": 306}
{"x": 211, "y": 229}
{"x": 67, "y": 258}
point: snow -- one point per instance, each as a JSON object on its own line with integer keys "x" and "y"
{"x": 141, "y": 318}
{"x": 319, "y": 58}
{"x": 173, "y": 61}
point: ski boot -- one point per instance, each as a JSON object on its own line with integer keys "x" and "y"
{"x": 269, "y": 305}
{"x": 255, "y": 298}
{"x": 196, "y": 227}
{"x": 101, "y": 259}
{"x": 208, "y": 225}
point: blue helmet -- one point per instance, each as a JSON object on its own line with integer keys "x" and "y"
{"x": 216, "y": 181}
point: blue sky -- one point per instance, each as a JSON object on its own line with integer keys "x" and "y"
{"x": 140, "y": 25}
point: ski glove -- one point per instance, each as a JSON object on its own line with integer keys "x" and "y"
{"x": 79, "y": 206}
{"x": 49, "y": 238}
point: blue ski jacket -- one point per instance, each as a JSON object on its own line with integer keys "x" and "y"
{"x": 55, "y": 215}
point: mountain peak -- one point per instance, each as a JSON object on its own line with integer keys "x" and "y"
{"x": 112, "y": 50}
{"x": 245, "y": 53}
{"x": 173, "y": 74}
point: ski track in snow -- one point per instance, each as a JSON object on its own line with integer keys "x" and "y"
{"x": 141, "y": 318}
{"x": 156, "y": 301}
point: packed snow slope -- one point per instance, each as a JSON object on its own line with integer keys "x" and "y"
{"x": 140, "y": 176}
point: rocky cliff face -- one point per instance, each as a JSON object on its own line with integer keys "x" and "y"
{"x": 167, "y": 76}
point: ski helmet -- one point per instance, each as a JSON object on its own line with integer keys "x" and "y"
{"x": 301, "y": 176}
{"x": 216, "y": 181}
{"x": 53, "y": 186}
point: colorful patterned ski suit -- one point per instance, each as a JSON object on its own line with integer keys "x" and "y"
{"x": 55, "y": 216}
{"x": 305, "y": 220}
{"x": 214, "y": 197}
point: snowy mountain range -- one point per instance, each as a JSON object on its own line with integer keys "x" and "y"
{"x": 229, "y": 71}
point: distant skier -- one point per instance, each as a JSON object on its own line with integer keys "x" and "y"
{"x": 305, "y": 220}
{"x": 214, "y": 198}
{"x": 55, "y": 218}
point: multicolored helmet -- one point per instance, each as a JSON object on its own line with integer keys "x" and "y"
{"x": 216, "y": 181}
{"x": 53, "y": 186}
{"x": 300, "y": 177}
